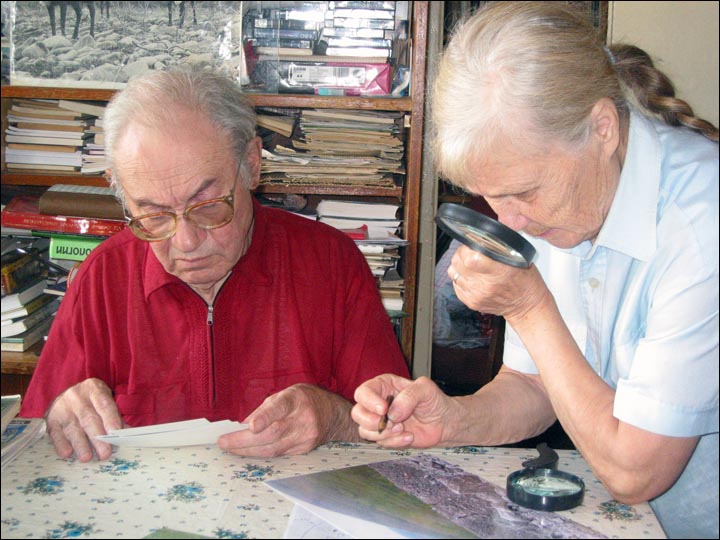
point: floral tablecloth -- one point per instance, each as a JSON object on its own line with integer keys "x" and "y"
{"x": 204, "y": 491}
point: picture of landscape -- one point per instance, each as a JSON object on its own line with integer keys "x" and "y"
{"x": 421, "y": 497}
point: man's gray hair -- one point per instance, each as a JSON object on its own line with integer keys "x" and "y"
{"x": 148, "y": 99}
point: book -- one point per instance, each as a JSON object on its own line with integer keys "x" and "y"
{"x": 63, "y": 141}
{"x": 47, "y": 133}
{"x": 43, "y": 157}
{"x": 22, "y": 296}
{"x": 57, "y": 287}
{"x": 27, "y": 309}
{"x": 18, "y": 435}
{"x": 355, "y": 116}
{"x": 18, "y": 271}
{"x": 369, "y": 52}
{"x": 43, "y": 147}
{"x": 22, "y": 259}
{"x": 10, "y": 408}
{"x": 23, "y": 211}
{"x": 286, "y": 51}
{"x": 357, "y": 210}
{"x": 80, "y": 128}
{"x": 281, "y": 124}
{"x": 41, "y": 167}
{"x": 72, "y": 247}
{"x": 84, "y": 107}
{"x": 36, "y": 317}
{"x": 49, "y": 114}
{"x": 85, "y": 201}
{"x": 22, "y": 342}
{"x": 39, "y": 122}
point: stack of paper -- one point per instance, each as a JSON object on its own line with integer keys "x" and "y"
{"x": 18, "y": 435}
{"x": 188, "y": 433}
{"x": 361, "y": 148}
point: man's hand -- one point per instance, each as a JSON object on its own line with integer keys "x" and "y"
{"x": 293, "y": 421}
{"x": 77, "y": 415}
{"x": 417, "y": 416}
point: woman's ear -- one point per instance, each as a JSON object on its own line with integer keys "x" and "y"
{"x": 606, "y": 125}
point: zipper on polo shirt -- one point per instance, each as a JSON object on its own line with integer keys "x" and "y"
{"x": 210, "y": 315}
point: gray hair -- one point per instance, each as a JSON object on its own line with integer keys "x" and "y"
{"x": 148, "y": 98}
{"x": 529, "y": 72}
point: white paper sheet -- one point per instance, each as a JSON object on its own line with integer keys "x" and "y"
{"x": 188, "y": 433}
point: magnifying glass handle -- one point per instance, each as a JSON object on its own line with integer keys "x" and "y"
{"x": 548, "y": 458}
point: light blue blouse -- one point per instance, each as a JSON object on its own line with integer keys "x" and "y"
{"x": 642, "y": 300}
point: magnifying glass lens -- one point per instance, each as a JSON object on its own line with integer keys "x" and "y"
{"x": 486, "y": 235}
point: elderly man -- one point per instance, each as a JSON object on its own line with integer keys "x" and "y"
{"x": 208, "y": 305}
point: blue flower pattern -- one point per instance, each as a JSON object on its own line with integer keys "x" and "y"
{"x": 44, "y": 485}
{"x": 254, "y": 473}
{"x": 216, "y": 494}
{"x": 69, "y": 529}
{"x": 615, "y": 510}
{"x": 119, "y": 467}
{"x": 227, "y": 533}
{"x": 190, "y": 492}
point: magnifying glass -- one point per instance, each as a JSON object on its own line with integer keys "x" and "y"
{"x": 486, "y": 235}
{"x": 540, "y": 486}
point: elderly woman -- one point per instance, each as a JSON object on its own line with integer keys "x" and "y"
{"x": 614, "y": 329}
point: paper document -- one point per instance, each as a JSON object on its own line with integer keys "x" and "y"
{"x": 188, "y": 433}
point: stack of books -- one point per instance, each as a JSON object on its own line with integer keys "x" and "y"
{"x": 93, "y": 155}
{"x": 289, "y": 31}
{"x": 27, "y": 311}
{"x": 379, "y": 244}
{"x": 42, "y": 137}
{"x": 50, "y": 136}
{"x": 349, "y": 148}
{"x": 327, "y": 48}
{"x": 74, "y": 220}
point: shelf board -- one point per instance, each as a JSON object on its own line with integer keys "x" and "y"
{"x": 24, "y": 179}
{"x": 21, "y": 363}
{"x": 331, "y": 190}
{"x": 258, "y": 100}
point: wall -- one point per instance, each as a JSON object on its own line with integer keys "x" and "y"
{"x": 682, "y": 38}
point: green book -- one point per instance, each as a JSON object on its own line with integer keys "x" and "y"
{"x": 73, "y": 248}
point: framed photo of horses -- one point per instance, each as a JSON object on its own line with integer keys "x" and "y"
{"x": 102, "y": 44}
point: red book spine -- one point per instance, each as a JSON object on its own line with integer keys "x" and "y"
{"x": 23, "y": 212}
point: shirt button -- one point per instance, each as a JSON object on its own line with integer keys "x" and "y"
{"x": 594, "y": 283}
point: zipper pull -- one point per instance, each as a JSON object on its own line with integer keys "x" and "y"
{"x": 210, "y": 315}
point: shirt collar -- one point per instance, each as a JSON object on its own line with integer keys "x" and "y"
{"x": 250, "y": 265}
{"x": 631, "y": 226}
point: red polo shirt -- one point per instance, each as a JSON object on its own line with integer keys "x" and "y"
{"x": 300, "y": 306}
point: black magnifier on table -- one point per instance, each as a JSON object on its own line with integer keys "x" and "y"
{"x": 541, "y": 486}
{"x": 486, "y": 235}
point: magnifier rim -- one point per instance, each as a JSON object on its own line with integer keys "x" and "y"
{"x": 517, "y": 493}
{"x": 476, "y": 220}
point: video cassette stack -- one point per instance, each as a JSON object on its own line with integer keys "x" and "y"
{"x": 347, "y": 48}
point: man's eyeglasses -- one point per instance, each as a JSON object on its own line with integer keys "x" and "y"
{"x": 209, "y": 214}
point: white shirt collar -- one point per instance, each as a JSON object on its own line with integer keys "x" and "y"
{"x": 631, "y": 224}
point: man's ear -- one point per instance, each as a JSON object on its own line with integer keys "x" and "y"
{"x": 253, "y": 158}
{"x": 606, "y": 125}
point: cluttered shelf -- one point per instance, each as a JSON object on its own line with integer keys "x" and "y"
{"x": 407, "y": 112}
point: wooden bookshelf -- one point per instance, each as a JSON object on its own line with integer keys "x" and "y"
{"x": 17, "y": 369}
{"x": 408, "y": 194}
